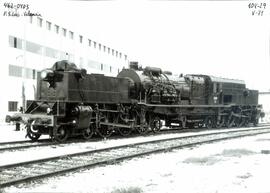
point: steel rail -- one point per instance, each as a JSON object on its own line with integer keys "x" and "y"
{"x": 97, "y": 157}
{"x": 15, "y": 145}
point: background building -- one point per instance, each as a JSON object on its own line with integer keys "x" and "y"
{"x": 30, "y": 44}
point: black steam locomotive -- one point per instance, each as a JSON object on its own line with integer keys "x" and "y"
{"x": 71, "y": 102}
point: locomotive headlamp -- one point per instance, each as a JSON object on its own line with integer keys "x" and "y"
{"x": 49, "y": 110}
{"x": 44, "y": 74}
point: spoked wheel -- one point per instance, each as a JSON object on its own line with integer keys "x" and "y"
{"x": 32, "y": 131}
{"x": 156, "y": 124}
{"x": 190, "y": 125}
{"x": 104, "y": 130}
{"x": 142, "y": 128}
{"x": 141, "y": 124}
{"x": 124, "y": 131}
{"x": 255, "y": 122}
{"x": 209, "y": 123}
{"x": 237, "y": 121}
{"x": 88, "y": 132}
{"x": 246, "y": 123}
{"x": 241, "y": 122}
{"x": 200, "y": 125}
{"x": 230, "y": 122}
{"x": 61, "y": 134}
{"x": 220, "y": 123}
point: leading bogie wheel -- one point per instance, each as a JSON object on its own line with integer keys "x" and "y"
{"x": 32, "y": 131}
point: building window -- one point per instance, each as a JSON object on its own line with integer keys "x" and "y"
{"x": 125, "y": 57}
{"x": 51, "y": 52}
{"x": 14, "y": 71}
{"x": 95, "y": 44}
{"x": 64, "y": 32}
{"x": 31, "y": 19}
{"x": 104, "y": 48}
{"x": 112, "y": 52}
{"x": 30, "y": 73}
{"x": 48, "y": 25}
{"x": 81, "y": 39}
{"x": 120, "y": 55}
{"x": 101, "y": 66}
{"x": 109, "y": 50}
{"x": 15, "y": 42}
{"x": 12, "y": 105}
{"x": 39, "y": 22}
{"x": 71, "y": 35}
{"x": 99, "y": 46}
{"x": 33, "y": 47}
{"x": 89, "y": 42}
{"x": 93, "y": 64}
{"x": 116, "y": 53}
{"x": 56, "y": 29}
{"x": 110, "y": 68}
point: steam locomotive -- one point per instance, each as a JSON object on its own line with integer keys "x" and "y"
{"x": 71, "y": 102}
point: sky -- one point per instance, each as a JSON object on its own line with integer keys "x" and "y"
{"x": 219, "y": 38}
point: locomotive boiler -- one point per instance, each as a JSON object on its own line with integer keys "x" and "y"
{"x": 70, "y": 102}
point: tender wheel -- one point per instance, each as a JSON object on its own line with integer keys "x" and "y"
{"x": 62, "y": 133}
{"x": 88, "y": 132}
{"x": 32, "y": 131}
{"x": 156, "y": 124}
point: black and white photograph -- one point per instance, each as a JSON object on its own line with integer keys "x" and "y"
{"x": 135, "y": 96}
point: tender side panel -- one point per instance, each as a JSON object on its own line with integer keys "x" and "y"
{"x": 96, "y": 88}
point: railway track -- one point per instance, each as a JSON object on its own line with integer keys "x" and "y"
{"x": 27, "y": 144}
{"x": 22, "y": 172}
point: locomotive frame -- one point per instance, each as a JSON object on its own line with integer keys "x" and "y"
{"x": 71, "y": 102}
